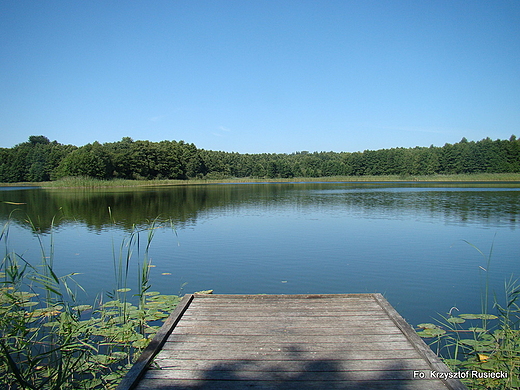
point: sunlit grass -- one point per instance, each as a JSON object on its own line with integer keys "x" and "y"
{"x": 87, "y": 182}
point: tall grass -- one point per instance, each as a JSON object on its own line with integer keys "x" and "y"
{"x": 49, "y": 341}
{"x": 88, "y": 182}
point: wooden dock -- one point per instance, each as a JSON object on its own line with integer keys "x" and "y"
{"x": 347, "y": 341}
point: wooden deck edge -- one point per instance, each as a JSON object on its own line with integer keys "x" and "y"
{"x": 418, "y": 343}
{"x": 133, "y": 376}
{"x": 282, "y": 296}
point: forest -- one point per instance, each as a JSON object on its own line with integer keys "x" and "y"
{"x": 40, "y": 159}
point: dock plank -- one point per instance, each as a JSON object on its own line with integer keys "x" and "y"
{"x": 370, "y": 364}
{"x": 204, "y": 384}
{"x": 259, "y": 344}
{"x": 289, "y": 339}
{"x": 347, "y": 341}
{"x": 300, "y": 355}
{"x": 293, "y": 373}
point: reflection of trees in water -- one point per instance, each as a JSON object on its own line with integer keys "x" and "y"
{"x": 99, "y": 209}
{"x": 455, "y": 207}
{"x": 183, "y": 205}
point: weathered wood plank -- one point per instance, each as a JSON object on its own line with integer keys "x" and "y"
{"x": 280, "y": 330}
{"x": 281, "y": 365}
{"x": 280, "y": 310}
{"x": 132, "y": 377}
{"x": 287, "y": 315}
{"x": 289, "y": 339}
{"x": 292, "y": 355}
{"x": 295, "y": 321}
{"x": 293, "y": 305}
{"x": 299, "y": 302}
{"x": 272, "y": 297}
{"x": 242, "y": 373}
{"x": 297, "y": 305}
{"x": 347, "y": 341}
{"x": 206, "y": 384}
{"x": 305, "y": 323}
{"x": 205, "y": 345}
{"x": 293, "y": 302}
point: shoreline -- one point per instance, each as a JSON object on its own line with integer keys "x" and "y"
{"x": 81, "y": 182}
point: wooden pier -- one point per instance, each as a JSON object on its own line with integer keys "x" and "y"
{"x": 347, "y": 341}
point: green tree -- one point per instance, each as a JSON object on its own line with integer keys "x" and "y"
{"x": 195, "y": 167}
{"x": 39, "y": 139}
{"x": 91, "y": 160}
{"x": 513, "y": 154}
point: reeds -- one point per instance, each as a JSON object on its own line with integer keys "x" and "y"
{"x": 49, "y": 341}
{"x": 482, "y": 342}
{"x": 88, "y": 182}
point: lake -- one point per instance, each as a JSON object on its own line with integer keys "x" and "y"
{"x": 412, "y": 242}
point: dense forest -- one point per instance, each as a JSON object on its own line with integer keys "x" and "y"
{"x": 39, "y": 159}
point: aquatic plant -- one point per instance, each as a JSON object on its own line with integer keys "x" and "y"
{"x": 87, "y": 182}
{"x": 50, "y": 341}
{"x": 92, "y": 183}
{"x": 487, "y": 345}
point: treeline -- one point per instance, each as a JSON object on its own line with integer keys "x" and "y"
{"x": 39, "y": 159}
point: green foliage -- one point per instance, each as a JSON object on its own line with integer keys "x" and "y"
{"x": 90, "y": 160}
{"x": 483, "y": 342}
{"x": 151, "y": 160}
{"x": 39, "y": 139}
{"x": 49, "y": 342}
{"x": 34, "y": 161}
{"x": 42, "y": 160}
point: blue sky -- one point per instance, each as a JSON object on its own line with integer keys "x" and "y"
{"x": 260, "y": 76}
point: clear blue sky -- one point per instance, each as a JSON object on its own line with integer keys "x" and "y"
{"x": 260, "y": 76}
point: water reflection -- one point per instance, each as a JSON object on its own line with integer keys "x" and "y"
{"x": 404, "y": 240}
{"x": 497, "y": 205}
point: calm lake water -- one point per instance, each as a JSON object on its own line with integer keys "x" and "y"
{"x": 407, "y": 241}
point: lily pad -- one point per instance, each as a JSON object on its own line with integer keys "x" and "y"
{"x": 47, "y": 312}
{"x": 452, "y": 362}
{"x": 81, "y": 308}
{"x": 456, "y": 320}
{"x": 29, "y": 304}
{"x": 142, "y": 343}
{"x": 431, "y": 332}
{"x": 477, "y": 329}
{"x": 151, "y": 330}
{"x": 101, "y": 359}
{"x": 427, "y": 326}
{"x": 204, "y": 292}
{"x": 471, "y": 342}
{"x": 478, "y": 316}
{"x": 111, "y": 304}
{"x": 118, "y": 355}
{"x": 151, "y": 293}
{"x": 23, "y": 295}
